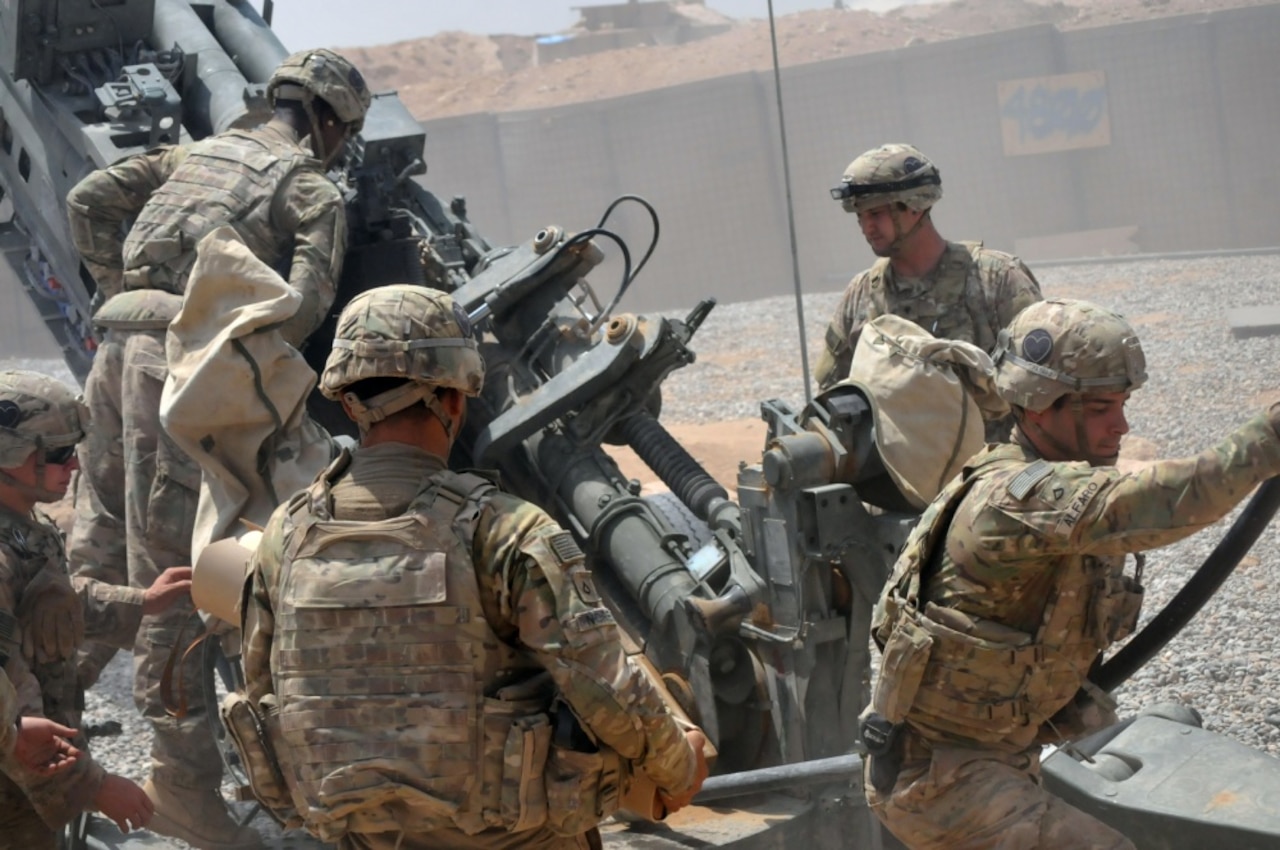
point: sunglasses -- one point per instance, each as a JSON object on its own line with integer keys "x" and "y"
{"x": 59, "y": 456}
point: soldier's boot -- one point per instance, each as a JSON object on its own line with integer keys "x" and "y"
{"x": 198, "y": 816}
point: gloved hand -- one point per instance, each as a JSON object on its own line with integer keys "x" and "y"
{"x": 51, "y": 618}
{"x": 675, "y": 802}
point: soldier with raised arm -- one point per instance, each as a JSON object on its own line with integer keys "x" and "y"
{"x": 270, "y": 184}
{"x": 1014, "y": 582}
{"x": 429, "y": 655}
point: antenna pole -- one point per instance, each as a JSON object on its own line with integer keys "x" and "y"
{"x": 791, "y": 213}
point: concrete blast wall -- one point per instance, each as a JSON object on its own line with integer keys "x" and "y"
{"x": 1151, "y": 136}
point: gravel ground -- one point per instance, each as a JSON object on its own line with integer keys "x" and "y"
{"x": 1202, "y": 383}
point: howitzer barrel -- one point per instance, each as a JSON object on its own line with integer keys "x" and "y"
{"x": 622, "y": 529}
{"x": 216, "y": 100}
{"x": 248, "y": 39}
{"x": 847, "y": 768}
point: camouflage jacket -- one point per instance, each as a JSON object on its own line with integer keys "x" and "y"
{"x": 1013, "y": 581}
{"x": 8, "y": 715}
{"x": 29, "y": 546}
{"x": 502, "y": 600}
{"x": 971, "y": 294}
{"x": 261, "y": 181}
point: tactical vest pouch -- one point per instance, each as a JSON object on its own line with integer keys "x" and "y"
{"x": 1117, "y": 603}
{"x": 901, "y": 670}
{"x": 514, "y": 796}
{"x": 524, "y": 758}
{"x": 169, "y": 276}
{"x": 977, "y": 675}
{"x": 248, "y": 733}
{"x": 582, "y": 788}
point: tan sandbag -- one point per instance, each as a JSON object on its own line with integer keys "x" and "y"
{"x": 217, "y": 580}
{"x": 237, "y": 391}
{"x": 928, "y": 398}
{"x": 138, "y": 310}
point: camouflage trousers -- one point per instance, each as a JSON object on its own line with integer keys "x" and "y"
{"x": 19, "y": 823}
{"x": 539, "y": 839}
{"x": 972, "y": 800}
{"x": 145, "y": 483}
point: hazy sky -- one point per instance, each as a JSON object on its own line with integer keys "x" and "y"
{"x": 356, "y": 23}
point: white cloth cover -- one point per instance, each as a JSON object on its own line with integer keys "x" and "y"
{"x": 928, "y": 398}
{"x": 235, "y": 398}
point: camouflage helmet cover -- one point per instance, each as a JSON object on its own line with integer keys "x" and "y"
{"x": 325, "y": 75}
{"x": 403, "y": 331}
{"x": 37, "y": 412}
{"x": 1059, "y": 347}
{"x": 892, "y": 173}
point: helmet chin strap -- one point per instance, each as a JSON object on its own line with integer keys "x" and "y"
{"x": 900, "y": 237}
{"x": 1080, "y": 451}
{"x": 326, "y": 157}
{"x": 433, "y": 404}
{"x": 378, "y": 408}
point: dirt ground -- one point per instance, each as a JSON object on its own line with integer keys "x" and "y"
{"x": 457, "y": 73}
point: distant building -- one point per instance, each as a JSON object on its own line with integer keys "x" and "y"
{"x": 612, "y": 26}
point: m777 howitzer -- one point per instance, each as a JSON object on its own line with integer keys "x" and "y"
{"x": 742, "y": 609}
{"x": 754, "y": 611}
{"x": 748, "y": 625}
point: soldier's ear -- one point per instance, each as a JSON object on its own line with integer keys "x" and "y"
{"x": 454, "y": 402}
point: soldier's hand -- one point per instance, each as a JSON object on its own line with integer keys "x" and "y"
{"x": 676, "y": 802}
{"x": 44, "y": 746}
{"x": 51, "y": 617}
{"x": 124, "y": 802}
{"x": 169, "y": 588}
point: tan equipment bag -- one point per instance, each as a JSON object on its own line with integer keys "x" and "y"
{"x": 928, "y": 398}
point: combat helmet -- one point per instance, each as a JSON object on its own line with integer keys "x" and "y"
{"x": 402, "y": 331}
{"x": 37, "y": 414}
{"x": 320, "y": 74}
{"x": 892, "y": 173}
{"x": 1058, "y": 347}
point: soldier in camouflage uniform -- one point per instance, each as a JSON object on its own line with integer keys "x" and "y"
{"x": 954, "y": 290}
{"x": 1014, "y": 583}
{"x": 270, "y": 184}
{"x": 41, "y": 421}
{"x": 430, "y": 654}
{"x": 99, "y": 539}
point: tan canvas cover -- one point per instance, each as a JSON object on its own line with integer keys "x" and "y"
{"x": 217, "y": 581}
{"x": 928, "y": 398}
{"x": 237, "y": 391}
